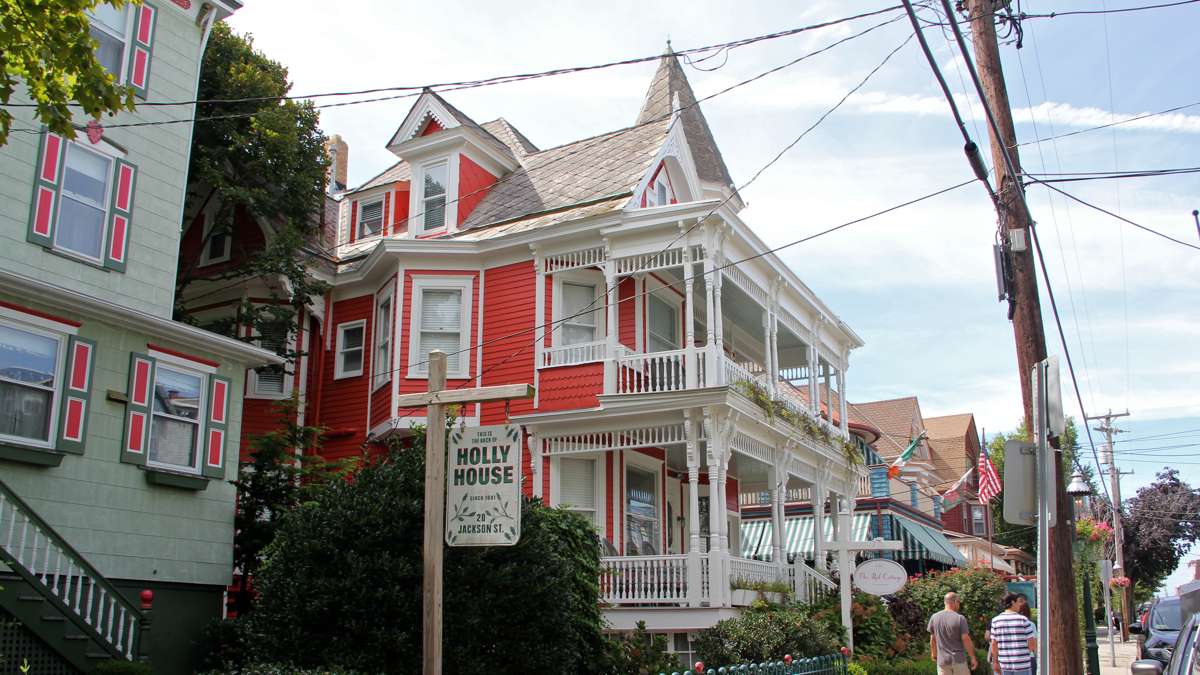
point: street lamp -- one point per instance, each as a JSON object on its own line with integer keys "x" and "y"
{"x": 1079, "y": 491}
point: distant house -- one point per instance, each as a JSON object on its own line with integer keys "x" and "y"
{"x": 119, "y": 427}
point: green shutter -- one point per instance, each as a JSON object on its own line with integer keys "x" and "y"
{"x": 138, "y": 71}
{"x": 135, "y": 443}
{"x": 43, "y": 209}
{"x": 216, "y": 427}
{"x": 120, "y": 215}
{"x": 75, "y": 395}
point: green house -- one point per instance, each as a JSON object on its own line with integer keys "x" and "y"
{"x": 119, "y": 428}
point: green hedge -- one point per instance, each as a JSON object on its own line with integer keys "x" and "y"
{"x": 919, "y": 666}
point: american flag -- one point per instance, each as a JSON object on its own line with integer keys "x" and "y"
{"x": 989, "y": 482}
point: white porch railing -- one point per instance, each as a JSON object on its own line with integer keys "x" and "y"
{"x": 567, "y": 355}
{"x": 742, "y": 569}
{"x": 809, "y": 585}
{"x": 647, "y": 579}
{"x": 655, "y": 372}
{"x": 735, "y": 372}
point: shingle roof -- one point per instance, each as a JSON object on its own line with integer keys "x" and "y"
{"x": 951, "y": 447}
{"x": 898, "y": 419}
{"x": 510, "y": 136}
{"x": 670, "y": 81}
{"x": 395, "y": 173}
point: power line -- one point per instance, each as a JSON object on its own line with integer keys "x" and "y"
{"x": 1134, "y": 173}
{"x": 1118, "y": 217}
{"x": 1127, "y": 120}
{"x": 1054, "y": 15}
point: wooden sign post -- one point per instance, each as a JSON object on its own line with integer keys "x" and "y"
{"x": 435, "y": 400}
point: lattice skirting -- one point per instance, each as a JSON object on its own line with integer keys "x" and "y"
{"x": 18, "y": 644}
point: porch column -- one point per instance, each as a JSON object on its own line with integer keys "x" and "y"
{"x": 713, "y": 370}
{"x": 842, "y": 400}
{"x": 814, "y": 371}
{"x": 842, "y": 529}
{"x": 773, "y": 371}
{"x": 693, "y": 547}
{"x": 539, "y": 319}
{"x": 718, "y": 321}
{"x": 535, "y": 464}
{"x": 828, "y": 397}
{"x": 769, "y": 364}
{"x": 689, "y": 318}
{"x": 718, "y": 582}
{"x": 611, "y": 332}
{"x": 819, "y": 495}
{"x": 778, "y": 482}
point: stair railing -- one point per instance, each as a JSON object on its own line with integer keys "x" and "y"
{"x": 64, "y": 578}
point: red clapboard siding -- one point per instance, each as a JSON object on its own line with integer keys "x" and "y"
{"x": 473, "y": 184}
{"x": 344, "y": 402}
{"x": 626, "y": 325}
{"x": 570, "y": 387}
{"x": 400, "y": 209}
{"x": 508, "y": 309}
{"x": 248, "y": 239}
{"x": 954, "y": 519}
{"x": 316, "y": 352}
{"x": 412, "y": 386}
{"x": 259, "y": 416}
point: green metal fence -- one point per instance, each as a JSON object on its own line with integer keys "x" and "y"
{"x": 831, "y": 664}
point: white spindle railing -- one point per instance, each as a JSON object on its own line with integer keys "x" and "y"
{"x": 655, "y": 372}
{"x": 33, "y": 550}
{"x": 864, "y": 486}
{"x": 752, "y": 571}
{"x": 808, "y": 584}
{"x": 646, "y": 579}
{"x": 735, "y": 372}
{"x": 567, "y": 355}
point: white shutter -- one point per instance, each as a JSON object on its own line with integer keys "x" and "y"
{"x": 577, "y": 484}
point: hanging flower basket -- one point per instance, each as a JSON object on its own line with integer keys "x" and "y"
{"x": 1120, "y": 582}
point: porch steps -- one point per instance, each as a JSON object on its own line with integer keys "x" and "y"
{"x": 48, "y": 625}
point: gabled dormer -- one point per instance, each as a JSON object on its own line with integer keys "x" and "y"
{"x": 453, "y": 163}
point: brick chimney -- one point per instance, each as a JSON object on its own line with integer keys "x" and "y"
{"x": 339, "y": 154}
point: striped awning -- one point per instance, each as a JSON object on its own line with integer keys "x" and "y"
{"x": 924, "y": 542}
{"x": 798, "y": 535}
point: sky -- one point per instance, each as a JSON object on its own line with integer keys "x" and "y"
{"x": 918, "y": 285}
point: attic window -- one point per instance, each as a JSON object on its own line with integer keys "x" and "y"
{"x": 658, "y": 192}
{"x": 370, "y": 218}
{"x": 433, "y": 197}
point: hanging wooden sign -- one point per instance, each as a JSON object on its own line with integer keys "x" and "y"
{"x": 483, "y": 486}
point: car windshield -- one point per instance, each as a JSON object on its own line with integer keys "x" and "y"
{"x": 1166, "y": 617}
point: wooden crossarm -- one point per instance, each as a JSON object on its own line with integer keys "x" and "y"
{"x": 502, "y": 392}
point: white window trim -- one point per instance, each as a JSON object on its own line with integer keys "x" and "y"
{"x": 598, "y": 515}
{"x": 189, "y": 367}
{"x": 592, "y": 277}
{"x": 126, "y": 40}
{"x": 340, "y": 329}
{"x": 645, "y": 463}
{"x": 359, "y": 235}
{"x": 416, "y": 204}
{"x": 204, "y": 242}
{"x": 105, "y": 205}
{"x": 382, "y": 369}
{"x": 59, "y": 332}
{"x": 464, "y": 283}
{"x": 288, "y": 378}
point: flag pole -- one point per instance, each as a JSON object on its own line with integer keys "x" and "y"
{"x": 991, "y": 551}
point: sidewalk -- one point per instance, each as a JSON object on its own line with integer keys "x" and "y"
{"x": 1126, "y": 654}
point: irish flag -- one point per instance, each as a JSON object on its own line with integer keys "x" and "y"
{"x": 894, "y": 469}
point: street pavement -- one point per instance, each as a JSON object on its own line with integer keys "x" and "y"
{"x": 1126, "y": 654}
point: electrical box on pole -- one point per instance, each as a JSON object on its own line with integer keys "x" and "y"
{"x": 1020, "y": 483}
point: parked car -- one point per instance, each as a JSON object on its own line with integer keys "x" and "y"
{"x": 1158, "y": 634}
{"x": 1185, "y": 658}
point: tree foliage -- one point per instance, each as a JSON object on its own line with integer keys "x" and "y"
{"x": 341, "y": 585}
{"x": 1161, "y": 523}
{"x": 46, "y": 45}
{"x": 261, "y": 157}
{"x": 767, "y": 632}
{"x": 978, "y": 588}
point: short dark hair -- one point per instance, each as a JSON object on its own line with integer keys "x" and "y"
{"x": 1010, "y": 599}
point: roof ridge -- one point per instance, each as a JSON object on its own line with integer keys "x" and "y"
{"x": 599, "y": 135}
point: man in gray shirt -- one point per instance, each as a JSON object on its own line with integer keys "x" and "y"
{"x": 950, "y": 640}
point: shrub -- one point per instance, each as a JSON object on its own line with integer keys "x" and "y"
{"x": 767, "y": 632}
{"x": 919, "y": 666}
{"x": 978, "y": 588}
{"x": 640, "y": 653}
{"x": 341, "y": 585}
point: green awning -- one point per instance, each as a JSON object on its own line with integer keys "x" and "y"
{"x": 798, "y": 535}
{"x": 924, "y": 542}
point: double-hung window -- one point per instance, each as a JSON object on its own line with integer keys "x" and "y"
{"x": 349, "y": 361}
{"x": 272, "y": 380}
{"x": 663, "y": 326}
{"x": 29, "y": 372}
{"x": 978, "y": 524}
{"x": 370, "y": 218}
{"x": 433, "y": 197}
{"x": 109, "y": 27}
{"x": 641, "y": 512}
{"x": 577, "y": 487}
{"x": 580, "y": 311}
{"x": 440, "y": 320}
{"x": 383, "y": 340}
{"x": 83, "y": 212}
{"x": 177, "y": 414}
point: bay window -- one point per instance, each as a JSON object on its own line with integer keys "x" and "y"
{"x": 29, "y": 372}
{"x": 176, "y": 417}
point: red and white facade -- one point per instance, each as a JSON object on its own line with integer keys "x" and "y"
{"x": 615, "y": 275}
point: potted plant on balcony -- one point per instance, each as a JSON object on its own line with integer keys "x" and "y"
{"x": 746, "y": 592}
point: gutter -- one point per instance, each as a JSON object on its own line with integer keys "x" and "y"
{"x": 158, "y": 328}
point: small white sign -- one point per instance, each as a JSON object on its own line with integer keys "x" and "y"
{"x": 879, "y": 576}
{"x": 483, "y": 486}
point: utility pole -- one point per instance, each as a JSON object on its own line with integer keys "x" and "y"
{"x": 1066, "y": 657}
{"x": 1114, "y": 476}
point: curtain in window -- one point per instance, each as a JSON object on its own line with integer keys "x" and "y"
{"x": 577, "y": 485}
{"x": 177, "y": 400}
{"x": 441, "y": 325}
{"x": 579, "y": 299}
{"x": 664, "y": 325}
{"x": 28, "y": 368}
{"x": 173, "y": 442}
{"x": 641, "y": 513}
{"x": 81, "y": 213}
{"x": 107, "y": 28}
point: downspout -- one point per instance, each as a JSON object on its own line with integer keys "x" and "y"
{"x": 316, "y": 404}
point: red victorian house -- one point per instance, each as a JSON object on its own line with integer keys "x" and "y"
{"x": 615, "y": 275}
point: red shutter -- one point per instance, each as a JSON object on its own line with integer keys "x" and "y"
{"x": 143, "y": 48}
{"x": 120, "y": 216}
{"x": 75, "y": 391}
{"x": 216, "y": 427}
{"x": 134, "y": 447}
{"x": 42, "y": 212}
